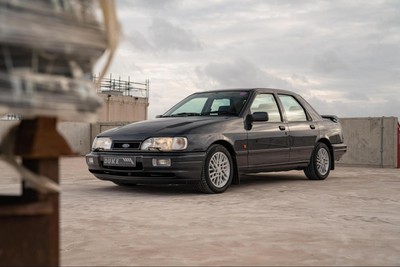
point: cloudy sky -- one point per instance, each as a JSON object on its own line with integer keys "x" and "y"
{"x": 341, "y": 56}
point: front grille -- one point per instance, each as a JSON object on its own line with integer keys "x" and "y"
{"x": 126, "y": 145}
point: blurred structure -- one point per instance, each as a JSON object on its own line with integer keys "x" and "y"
{"x": 121, "y": 100}
{"x": 47, "y": 52}
{"x": 48, "y": 49}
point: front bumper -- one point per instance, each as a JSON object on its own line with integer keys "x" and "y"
{"x": 184, "y": 168}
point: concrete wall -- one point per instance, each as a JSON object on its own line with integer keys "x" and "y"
{"x": 77, "y": 134}
{"x": 5, "y": 126}
{"x": 370, "y": 141}
{"x": 122, "y": 108}
{"x": 100, "y": 127}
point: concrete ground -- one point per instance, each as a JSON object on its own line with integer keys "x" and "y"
{"x": 352, "y": 218}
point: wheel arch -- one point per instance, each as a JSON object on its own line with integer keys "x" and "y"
{"x": 329, "y": 145}
{"x": 229, "y": 147}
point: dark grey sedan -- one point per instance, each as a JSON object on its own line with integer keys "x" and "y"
{"x": 210, "y": 138}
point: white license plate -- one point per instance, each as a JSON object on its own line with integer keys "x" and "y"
{"x": 119, "y": 161}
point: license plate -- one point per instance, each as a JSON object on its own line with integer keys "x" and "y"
{"x": 119, "y": 161}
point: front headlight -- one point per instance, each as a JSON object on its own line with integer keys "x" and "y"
{"x": 102, "y": 143}
{"x": 165, "y": 143}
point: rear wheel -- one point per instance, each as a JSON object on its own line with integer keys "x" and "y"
{"x": 320, "y": 163}
{"x": 217, "y": 171}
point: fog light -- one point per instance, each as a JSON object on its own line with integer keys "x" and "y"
{"x": 90, "y": 161}
{"x": 162, "y": 162}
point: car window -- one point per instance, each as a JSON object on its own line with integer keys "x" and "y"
{"x": 194, "y": 105}
{"x": 266, "y": 103}
{"x": 220, "y": 104}
{"x": 294, "y": 111}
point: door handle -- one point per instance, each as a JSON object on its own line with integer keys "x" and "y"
{"x": 282, "y": 128}
{"x": 312, "y": 126}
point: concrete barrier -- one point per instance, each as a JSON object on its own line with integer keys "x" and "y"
{"x": 371, "y": 142}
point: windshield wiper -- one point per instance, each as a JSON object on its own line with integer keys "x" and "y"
{"x": 221, "y": 113}
{"x": 184, "y": 114}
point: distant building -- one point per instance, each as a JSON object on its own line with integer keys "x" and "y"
{"x": 123, "y": 100}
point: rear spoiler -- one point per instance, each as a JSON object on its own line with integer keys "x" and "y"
{"x": 330, "y": 117}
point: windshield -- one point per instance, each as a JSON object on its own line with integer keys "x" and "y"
{"x": 222, "y": 103}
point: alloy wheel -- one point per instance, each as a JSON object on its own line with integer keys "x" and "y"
{"x": 219, "y": 169}
{"x": 322, "y": 161}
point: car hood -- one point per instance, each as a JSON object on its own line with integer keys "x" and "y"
{"x": 168, "y": 127}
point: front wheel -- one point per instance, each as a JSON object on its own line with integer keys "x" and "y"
{"x": 217, "y": 172}
{"x": 320, "y": 163}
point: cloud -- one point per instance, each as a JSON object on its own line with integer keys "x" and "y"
{"x": 330, "y": 61}
{"x": 149, "y": 6}
{"x": 364, "y": 107}
{"x": 239, "y": 73}
{"x": 166, "y": 36}
{"x": 140, "y": 42}
{"x": 344, "y": 50}
{"x": 162, "y": 37}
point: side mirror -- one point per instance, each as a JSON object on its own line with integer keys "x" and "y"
{"x": 260, "y": 116}
{"x": 159, "y": 116}
{"x": 248, "y": 122}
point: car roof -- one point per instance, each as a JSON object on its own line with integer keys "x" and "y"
{"x": 264, "y": 90}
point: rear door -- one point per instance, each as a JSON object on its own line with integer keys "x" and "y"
{"x": 267, "y": 140}
{"x": 303, "y": 131}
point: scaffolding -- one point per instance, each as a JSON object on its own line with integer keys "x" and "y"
{"x": 113, "y": 86}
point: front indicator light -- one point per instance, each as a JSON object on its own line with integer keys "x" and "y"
{"x": 161, "y": 162}
{"x": 90, "y": 161}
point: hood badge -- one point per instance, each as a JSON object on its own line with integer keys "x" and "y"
{"x": 125, "y": 145}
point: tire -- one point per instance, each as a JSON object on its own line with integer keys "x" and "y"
{"x": 320, "y": 163}
{"x": 217, "y": 171}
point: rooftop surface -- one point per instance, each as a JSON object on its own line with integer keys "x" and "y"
{"x": 352, "y": 218}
